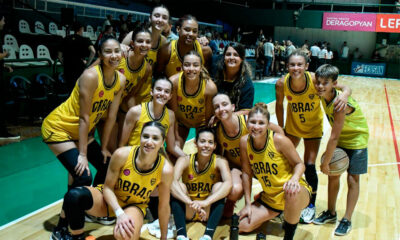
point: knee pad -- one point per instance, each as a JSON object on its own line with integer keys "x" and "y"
{"x": 69, "y": 160}
{"x": 83, "y": 180}
{"x": 311, "y": 176}
{"x": 76, "y": 201}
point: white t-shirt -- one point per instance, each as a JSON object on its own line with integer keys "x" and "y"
{"x": 323, "y": 54}
{"x": 268, "y": 49}
{"x": 329, "y": 55}
{"x": 345, "y": 52}
{"x": 290, "y": 49}
{"x": 315, "y": 51}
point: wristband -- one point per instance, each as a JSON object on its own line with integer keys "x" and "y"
{"x": 119, "y": 212}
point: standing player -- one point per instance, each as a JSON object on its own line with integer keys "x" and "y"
{"x": 65, "y": 130}
{"x": 192, "y": 95}
{"x": 273, "y": 160}
{"x": 350, "y": 133}
{"x": 158, "y": 21}
{"x": 303, "y": 117}
{"x": 134, "y": 173}
{"x": 170, "y": 56}
{"x": 206, "y": 181}
{"x": 155, "y": 110}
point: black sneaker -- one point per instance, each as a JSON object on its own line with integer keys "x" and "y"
{"x": 101, "y": 220}
{"x": 343, "y": 228}
{"x": 325, "y": 217}
{"x": 8, "y": 136}
{"x": 60, "y": 234}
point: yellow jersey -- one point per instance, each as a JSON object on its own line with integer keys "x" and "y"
{"x": 152, "y": 54}
{"x": 230, "y": 145}
{"x": 191, "y": 108}
{"x": 133, "y": 76}
{"x": 304, "y": 116}
{"x": 272, "y": 170}
{"x": 145, "y": 116}
{"x": 135, "y": 186}
{"x": 176, "y": 60}
{"x": 355, "y": 133}
{"x": 62, "y": 124}
{"x": 199, "y": 184}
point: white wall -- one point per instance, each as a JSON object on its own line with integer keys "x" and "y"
{"x": 365, "y": 41}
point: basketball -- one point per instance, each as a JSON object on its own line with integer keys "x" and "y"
{"x": 339, "y": 163}
{"x": 90, "y": 238}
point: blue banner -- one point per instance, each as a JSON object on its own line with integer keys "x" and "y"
{"x": 368, "y": 69}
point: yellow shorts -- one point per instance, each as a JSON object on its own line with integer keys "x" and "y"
{"x": 110, "y": 212}
{"x": 51, "y": 135}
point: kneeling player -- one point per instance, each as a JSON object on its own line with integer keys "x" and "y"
{"x": 206, "y": 181}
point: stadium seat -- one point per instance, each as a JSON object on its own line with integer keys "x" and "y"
{"x": 43, "y": 52}
{"x": 24, "y": 27}
{"x": 27, "y": 53}
{"x": 53, "y": 28}
{"x": 13, "y": 56}
{"x": 11, "y": 41}
{"x": 39, "y": 28}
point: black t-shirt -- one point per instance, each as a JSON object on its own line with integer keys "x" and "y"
{"x": 75, "y": 48}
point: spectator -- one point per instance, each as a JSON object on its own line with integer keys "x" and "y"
{"x": 269, "y": 55}
{"x": 329, "y": 56}
{"x": 260, "y": 37}
{"x": 344, "y": 52}
{"x": 108, "y": 32}
{"x": 314, "y": 56}
{"x": 290, "y": 48}
{"x": 260, "y": 57}
{"x": 108, "y": 21}
{"x": 4, "y": 134}
{"x": 74, "y": 49}
{"x": 168, "y": 33}
{"x": 322, "y": 55}
{"x": 357, "y": 54}
{"x": 212, "y": 43}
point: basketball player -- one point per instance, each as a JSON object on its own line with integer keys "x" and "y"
{"x": 350, "y": 133}
{"x": 273, "y": 160}
{"x": 303, "y": 117}
{"x": 133, "y": 174}
{"x": 170, "y": 56}
{"x": 155, "y": 110}
{"x": 65, "y": 130}
{"x": 192, "y": 95}
{"x": 230, "y": 128}
{"x": 206, "y": 181}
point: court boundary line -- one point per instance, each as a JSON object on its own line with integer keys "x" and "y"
{"x": 30, "y": 214}
{"x": 396, "y": 149}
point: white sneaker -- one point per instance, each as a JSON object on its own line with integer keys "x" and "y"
{"x": 181, "y": 237}
{"x": 205, "y": 237}
{"x": 308, "y": 214}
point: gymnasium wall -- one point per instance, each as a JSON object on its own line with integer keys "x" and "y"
{"x": 336, "y": 38}
{"x": 331, "y": 1}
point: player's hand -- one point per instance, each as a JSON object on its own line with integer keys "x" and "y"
{"x": 340, "y": 103}
{"x": 325, "y": 168}
{"x": 291, "y": 187}
{"x": 6, "y": 54}
{"x": 197, "y": 205}
{"x": 246, "y": 212}
{"x": 124, "y": 227}
{"x": 203, "y": 215}
{"x": 82, "y": 165}
{"x": 106, "y": 155}
{"x": 213, "y": 120}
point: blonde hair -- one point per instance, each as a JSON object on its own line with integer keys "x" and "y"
{"x": 260, "y": 107}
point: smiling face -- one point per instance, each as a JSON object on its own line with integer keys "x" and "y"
{"x": 297, "y": 65}
{"x": 142, "y": 43}
{"x": 325, "y": 87}
{"x": 151, "y": 139}
{"x": 205, "y": 144}
{"x": 232, "y": 58}
{"x": 188, "y": 31}
{"x": 191, "y": 67}
{"x": 223, "y": 107}
{"x": 159, "y": 18}
{"x": 257, "y": 124}
{"x": 162, "y": 91}
{"x": 110, "y": 53}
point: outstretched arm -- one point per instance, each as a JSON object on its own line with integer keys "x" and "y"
{"x": 279, "y": 101}
{"x": 164, "y": 197}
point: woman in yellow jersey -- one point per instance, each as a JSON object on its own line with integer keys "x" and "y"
{"x": 304, "y": 117}
{"x": 133, "y": 174}
{"x": 192, "y": 95}
{"x": 273, "y": 160}
{"x": 230, "y": 128}
{"x": 155, "y": 110}
{"x": 170, "y": 57}
{"x": 66, "y": 129}
{"x": 206, "y": 181}
{"x": 233, "y": 77}
{"x": 350, "y": 133}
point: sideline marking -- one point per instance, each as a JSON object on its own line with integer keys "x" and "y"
{"x": 396, "y": 149}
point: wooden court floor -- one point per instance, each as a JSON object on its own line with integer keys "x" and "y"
{"x": 377, "y": 214}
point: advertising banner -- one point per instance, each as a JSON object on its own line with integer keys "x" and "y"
{"x": 349, "y": 21}
{"x": 368, "y": 69}
{"x": 388, "y": 23}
